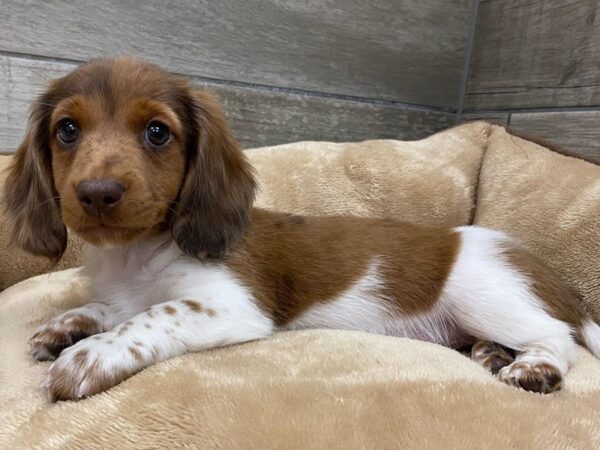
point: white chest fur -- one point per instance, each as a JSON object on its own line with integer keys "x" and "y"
{"x": 131, "y": 279}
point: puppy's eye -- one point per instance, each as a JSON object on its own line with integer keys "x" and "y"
{"x": 67, "y": 131}
{"x": 157, "y": 133}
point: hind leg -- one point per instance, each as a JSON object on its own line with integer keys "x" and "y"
{"x": 491, "y": 300}
{"x": 543, "y": 354}
{"x": 545, "y": 348}
{"x": 537, "y": 368}
{"x": 528, "y": 370}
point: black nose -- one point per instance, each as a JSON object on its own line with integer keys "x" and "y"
{"x": 98, "y": 197}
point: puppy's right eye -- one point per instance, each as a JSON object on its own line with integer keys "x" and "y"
{"x": 157, "y": 133}
{"x": 67, "y": 131}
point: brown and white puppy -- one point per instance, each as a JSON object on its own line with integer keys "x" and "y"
{"x": 144, "y": 169}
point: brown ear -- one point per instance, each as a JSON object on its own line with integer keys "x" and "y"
{"x": 213, "y": 208}
{"x": 30, "y": 197}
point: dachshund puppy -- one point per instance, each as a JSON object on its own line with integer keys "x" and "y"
{"x": 144, "y": 169}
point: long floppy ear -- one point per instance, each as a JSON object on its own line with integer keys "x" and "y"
{"x": 30, "y": 197}
{"x": 213, "y": 208}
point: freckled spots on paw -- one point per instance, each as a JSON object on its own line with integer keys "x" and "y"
{"x": 61, "y": 382}
{"x": 110, "y": 341}
{"x": 60, "y": 333}
{"x": 147, "y": 325}
{"x": 169, "y": 309}
{"x": 83, "y": 325}
{"x": 136, "y": 353}
{"x": 138, "y": 343}
{"x": 193, "y": 305}
{"x": 168, "y": 331}
{"x": 177, "y": 323}
{"x": 123, "y": 330}
{"x": 150, "y": 312}
{"x": 80, "y": 357}
{"x": 211, "y": 312}
{"x": 96, "y": 338}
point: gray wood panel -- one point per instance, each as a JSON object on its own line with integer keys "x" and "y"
{"x": 536, "y": 53}
{"x": 258, "y": 117}
{"x": 574, "y": 132}
{"x": 405, "y": 51}
{"x": 21, "y": 80}
{"x": 496, "y": 118}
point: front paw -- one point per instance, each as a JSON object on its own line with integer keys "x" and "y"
{"x": 91, "y": 366}
{"x": 53, "y": 337}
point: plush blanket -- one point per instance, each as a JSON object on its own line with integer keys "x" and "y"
{"x": 335, "y": 389}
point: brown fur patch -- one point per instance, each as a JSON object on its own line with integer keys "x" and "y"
{"x": 210, "y": 312}
{"x": 491, "y": 355}
{"x": 170, "y": 310}
{"x": 30, "y": 196}
{"x": 193, "y": 305}
{"x": 48, "y": 343}
{"x": 80, "y": 326}
{"x": 213, "y": 209}
{"x": 136, "y": 354}
{"x": 288, "y": 268}
{"x": 559, "y": 301}
{"x": 80, "y": 357}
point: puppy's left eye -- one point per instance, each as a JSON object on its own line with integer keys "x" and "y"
{"x": 157, "y": 133}
{"x": 67, "y": 131}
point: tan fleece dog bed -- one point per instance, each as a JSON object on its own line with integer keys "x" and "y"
{"x": 336, "y": 389}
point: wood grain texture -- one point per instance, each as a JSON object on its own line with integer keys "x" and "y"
{"x": 21, "y": 80}
{"x": 536, "y": 53}
{"x": 389, "y": 49}
{"x": 496, "y": 118}
{"x": 258, "y": 117}
{"x": 574, "y": 132}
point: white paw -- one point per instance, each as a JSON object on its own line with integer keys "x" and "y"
{"x": 92, "y": 365}
{"x": 539, "y": 377}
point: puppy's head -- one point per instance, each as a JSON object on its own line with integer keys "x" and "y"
{"x": 119, "y": 150}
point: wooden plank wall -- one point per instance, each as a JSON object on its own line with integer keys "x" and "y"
{"x": 537, "y": 63}
{"x": 287, "y": 70}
